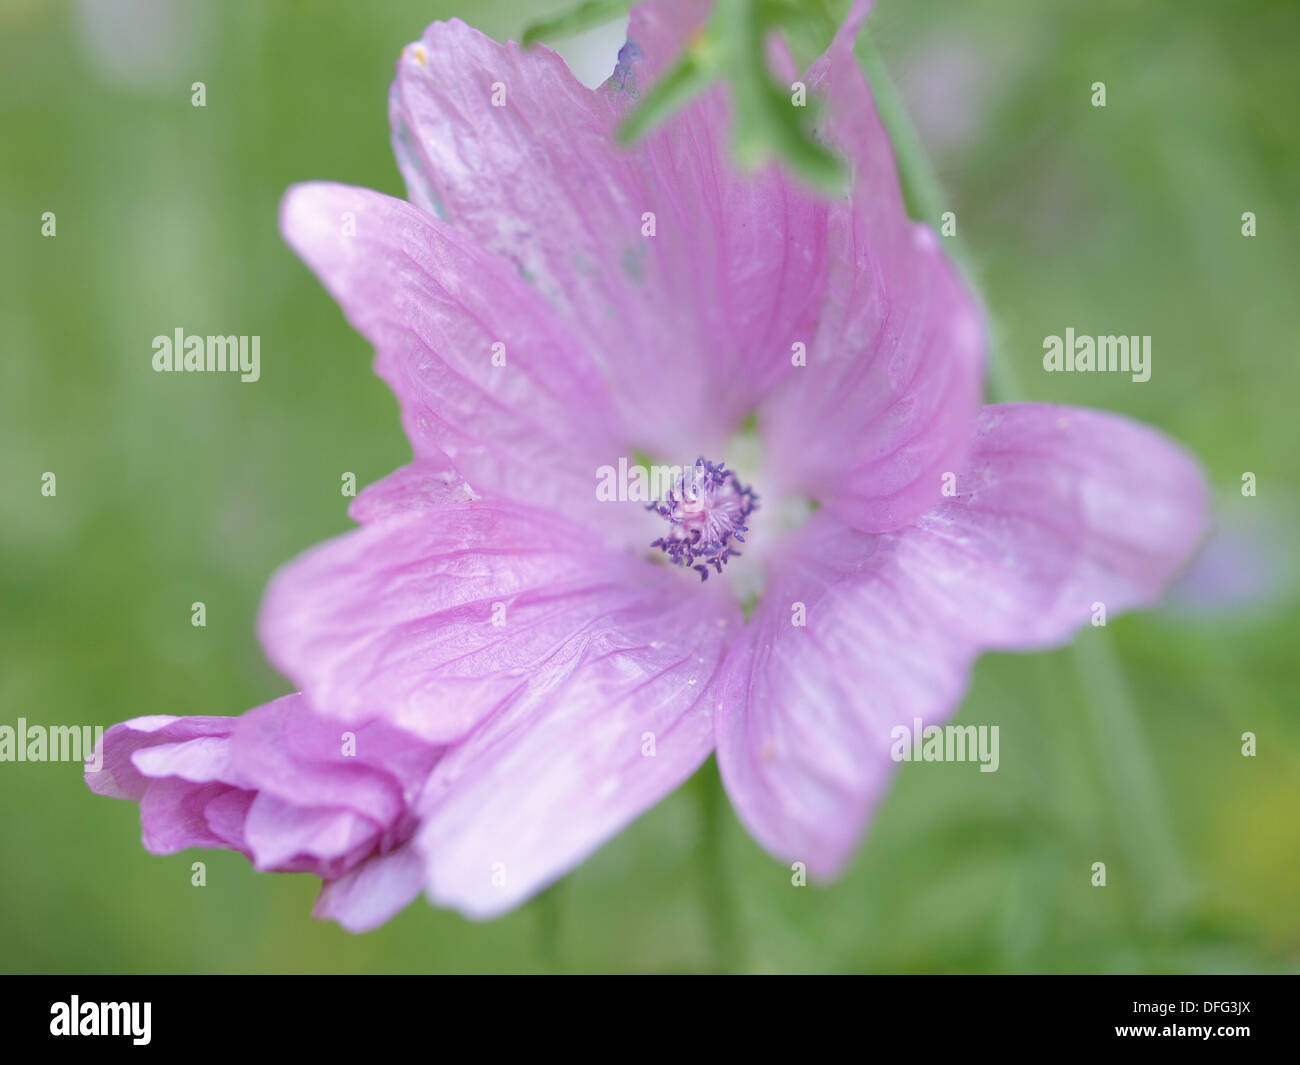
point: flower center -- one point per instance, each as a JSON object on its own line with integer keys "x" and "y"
{"x": 707, "y": 509}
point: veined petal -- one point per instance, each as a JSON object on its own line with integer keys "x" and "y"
{"x": 1058, "y": 510}
{"x": 1136, "y": 503}
{"x": 686, "y": 282}
{"x": 435, "y": 616}
{"x": 485, "y": 372}
{"x": 887, "y": 401}
{"x": 571, "y": 761}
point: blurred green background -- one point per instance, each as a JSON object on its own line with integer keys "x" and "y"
{"x": 176, "y": 488}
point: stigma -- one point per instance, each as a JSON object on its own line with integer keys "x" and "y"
{"x": 706, "y": 509}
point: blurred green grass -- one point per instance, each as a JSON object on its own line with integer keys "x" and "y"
{"x": 176, "y": 488}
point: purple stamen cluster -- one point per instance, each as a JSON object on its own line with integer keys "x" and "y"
{"x": 707, "y": 509}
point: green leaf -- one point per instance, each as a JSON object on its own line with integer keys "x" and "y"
{"x": 767, "y": 125}
{"x": 808, "y": 25}
{"x": 767, "y": 122}
{"x": 584, "y": 17}
{"x": 689, "y": 76}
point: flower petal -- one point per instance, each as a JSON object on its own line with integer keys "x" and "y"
{"x": 1059, "y": 509}
{"x": 542, "y": 662}
{"x": 200, "y": 760}
{"x": 1116, "y": 505}
{"x": 705, "y": 305}
{"x": 434, "y": 305}
{"x": 434, "y": 617}
{"x": 568, "y": 763}
{"x": 119, "y": 776}
{"x": 658, "y": 32}
{"x": 288, "y": 750}
{"x": 281, "y": 784}
{"x": 282, "y": 836}
{"x": 173, "y": 815}
{"x": 374, "y": 891}
{"x": 887, "y": 401}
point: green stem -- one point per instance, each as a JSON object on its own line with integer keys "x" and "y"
{"x": 715, "y": 881}
{"x": 925, "y": 200}
{"x": 550, "y": 926}
{"x": 1137, "y": 807}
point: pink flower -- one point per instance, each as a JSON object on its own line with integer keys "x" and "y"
{"x": 284, "y": 787}
{"x": 523, "y": 667}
